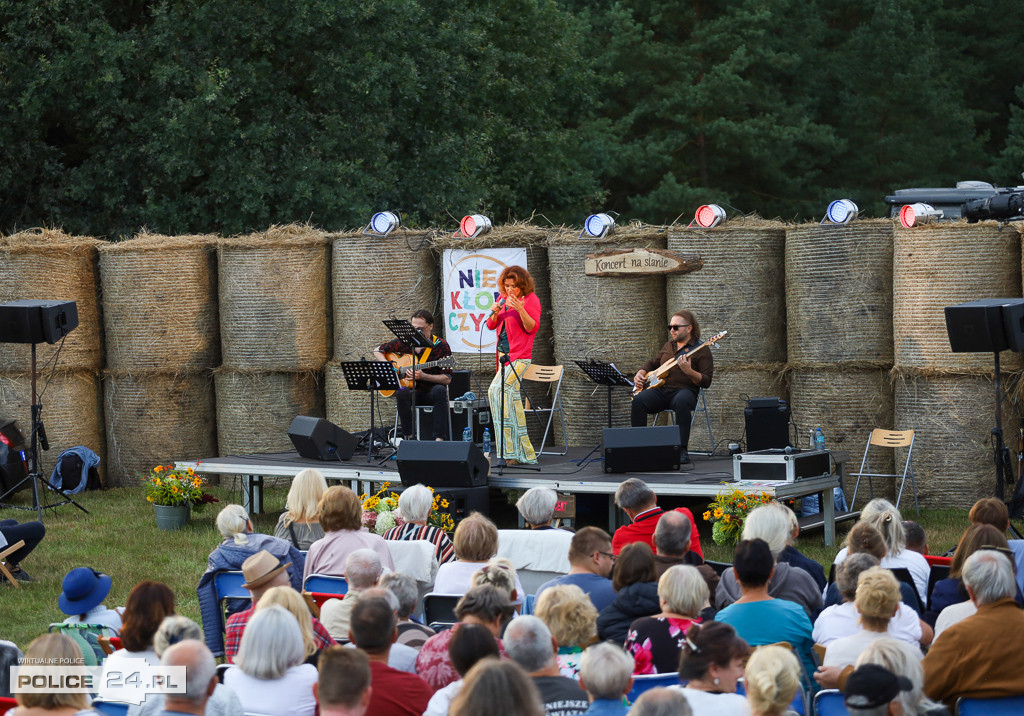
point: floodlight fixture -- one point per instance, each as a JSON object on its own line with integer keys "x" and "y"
{"x": 915, "y": 214}
{"x": 472, "y": 226}
{"x": 383, "y": 223}
{"x": 598, "y": 226}
{"x": 708, "y": 216}
{"x": 841, "y": 211}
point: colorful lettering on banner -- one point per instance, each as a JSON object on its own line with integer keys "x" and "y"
{"x": 470, "y": 288}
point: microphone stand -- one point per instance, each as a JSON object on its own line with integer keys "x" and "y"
{"x": 504, "y": 360}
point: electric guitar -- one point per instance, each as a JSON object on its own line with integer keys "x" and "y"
{"x": 657, "y": 376}
{"x": 405, "y": 364}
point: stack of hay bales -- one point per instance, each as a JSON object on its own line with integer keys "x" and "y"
{"x": 482, "y": 362}
{"x": 275, "y": 327}
{"x": 618, "y": 319}
{"x": 948, "y": 398}
{"x": 160, "y": 318}
{"x": 49, "y": 265}
{"x": 739, "y": 289}
{"x": 839, "y": 324}
{"x": 374, "y": 278}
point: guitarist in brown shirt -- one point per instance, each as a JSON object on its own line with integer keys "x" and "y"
{"x": 683, "y": 378}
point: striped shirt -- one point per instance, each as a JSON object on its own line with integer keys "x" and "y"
{"x": 444, "y": 550}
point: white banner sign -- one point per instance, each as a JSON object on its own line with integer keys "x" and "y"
{"x": 470, "y": 281}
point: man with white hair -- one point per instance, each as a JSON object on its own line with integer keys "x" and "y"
{"x": 606, "y": 672}
{"x": 362, "y": 571}
{"x": 638, "y": 501}
{"x": 200, "y": 677}
{"x": 980, "y": 656}
{"x": 529, "y": 643}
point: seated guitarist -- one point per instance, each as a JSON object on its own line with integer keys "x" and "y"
{"x": 682, "y": 383}
{"x": 431, "y": 384}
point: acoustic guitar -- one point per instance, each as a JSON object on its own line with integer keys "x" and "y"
{"x": 405, "y": 364}
{"x": 656, "y": 377}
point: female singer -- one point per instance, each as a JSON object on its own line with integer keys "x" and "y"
{"x": 515, "y": 316}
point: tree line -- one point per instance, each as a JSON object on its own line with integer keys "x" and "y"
{"x": 199, "y": 116}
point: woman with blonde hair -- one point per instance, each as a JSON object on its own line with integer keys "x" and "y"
{"x": 300, "y": 521}
{"x": 497, "y": 688}
{"x": 341, "y": 515}
{"x": 572, "y": 619}
{"x": 296, "y": 605}
{"x": 655, "y": 643}
{"x": 476, "y": 542}
{"x": 45, "y": 652}
{"x": 772, "y": 680}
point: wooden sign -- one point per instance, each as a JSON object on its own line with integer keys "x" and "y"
{"x": 639, "y": 262}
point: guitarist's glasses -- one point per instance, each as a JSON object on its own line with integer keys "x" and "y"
{"x": 676, "y": 328}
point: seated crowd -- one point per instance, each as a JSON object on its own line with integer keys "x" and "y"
{"x": 633, "y": 605}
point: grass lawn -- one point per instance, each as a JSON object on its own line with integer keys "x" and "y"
{"x": 119, "y": 537}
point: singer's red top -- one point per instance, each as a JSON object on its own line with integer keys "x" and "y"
{"x": 520, "y": 341}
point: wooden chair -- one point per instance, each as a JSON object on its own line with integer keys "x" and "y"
{"x": 888, "y": 439}
{"x": 10, "y": 549}
{"x": 550, "y": 374}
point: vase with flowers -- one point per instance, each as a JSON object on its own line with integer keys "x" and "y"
{"x": 729, "y": 509}
{"x": 175, "y": 492}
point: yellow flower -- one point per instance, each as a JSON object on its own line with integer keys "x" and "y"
{"x": 150, "y": 498}
{"x": 157, "y": 481}
{"x": 191, "y": 471}
{"x": 727, "y": 519}
{"x": 707, "y": 516}
{"x": 718, "y": 512}
{"x": 158, "y": 468}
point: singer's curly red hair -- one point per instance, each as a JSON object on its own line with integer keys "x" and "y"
{"x": 522, "y": 277}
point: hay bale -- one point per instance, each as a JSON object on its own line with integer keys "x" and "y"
{"x": 254, "y": 410}
{"x": 49, "y": 265}
{"x": 940, "y": 265}
{"x": 952, "y": 417}
{"x": 727, "y": 398}
{"x": 739, "y": 289}
{"x": 586, "y": 409}
{"x": 274, "y": 302}
{"x": 374, "y": 278}
{"x": 154, "y": 419}
{"x": 350, "y": 410}
{"x": 160, "y": 303}
{"x": 839, "y": 292}
{"x": 72, "y": 412}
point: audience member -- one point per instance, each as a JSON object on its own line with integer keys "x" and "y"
{"x": 530, "y": 644}
{"x": 11, "y": 533}
{"x": 410, "y": 633}
{"x": 606, "y": 674}
{"x": 395, "y": 693}
{"x": 147, "y": 605}
{"x": 656, "y": 643}
{"x": 636, "y": 586}
{"x": 486, "y": 606}
{"x": 883, "y": 516}
{"x": 200, "y": 677}
{"x": 951, "y": 590}
{"x": 83, "y": 591}
{"x": 638, "y": 501}
{"x": 476, "y": 541}
{"x": 661, "y": 702}
{"x": 572, "y": 619}
{"x": 712, "y": 661}
{"x": 343, "y": 685}
{"x": 877, "y": 600}
{"x": 173, "y": 630}
{"x": 591, "y": 560}
{"x": 47, "y": 651}
{"x": 537, "y": 507}
{"x": 770, "y": 524}
{"x": 904, "y": 659}
{"x": 271, "y": 676}
{"x": 262, "y": 572}
{"x": 470, "y": 644}
{"x": 759, "y": 617}
{"x": 497, "y": 688}
{"x": 865, "y": 539}
{"x": 873, "y": 690}
{"x": 10, "y": 655}
{"x": 239, "y": 543}
{"x": 362, "y": 571}
{"x": 286, "y": 597}
{"x": 840, "y": 620}
{"x": 917, "y": 541}
{"x": 499, "y": 573}
{"x": 993, "y": 511}
{"x": 401, "y": 656}
{"x": 790, "y": 554}
{"x": 979, "y": 656}
{"x": 772, "y": 679}
{"x": 341, "y": 516}
{"x": 414, "y": 504}
{"x": 299, "y": 524}
{"x": 672, "y": 547}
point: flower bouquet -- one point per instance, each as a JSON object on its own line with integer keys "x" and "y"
{"x": 381, "y": 513}
{"x": 727, "y": 512}
{"x": 168, "y": 486}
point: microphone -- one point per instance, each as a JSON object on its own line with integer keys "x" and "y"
{"x": 504, "y": 359}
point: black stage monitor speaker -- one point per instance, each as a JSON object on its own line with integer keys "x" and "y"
{"x": 767, "y": 424}
{"x": 987, "y": 326}
{"x": 319, "y": 439}
{"x": 641, "y": 449}
{"x": 442, "y": 464}
{"x": 37, "y": 321}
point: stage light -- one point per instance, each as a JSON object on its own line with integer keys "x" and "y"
{"x": 914, "y": 214}
{"x": 474, "y": 225}
{"x": 383, "y": 223}
{"x": 1004, "y": 206}
{"x": 709, "y": 216}
{"x": 841, "y": 211}
{"x": 598, "y": 225}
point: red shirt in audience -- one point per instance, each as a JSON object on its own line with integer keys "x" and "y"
{"x": 396, "y": 693}
{"x": 236, "y": 625}
{"x": 642, "y": 530}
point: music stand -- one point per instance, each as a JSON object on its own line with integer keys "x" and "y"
{"x": 604, "y": 374}
{"x": 413, "y": 339}
{"x": 371, "y": 376}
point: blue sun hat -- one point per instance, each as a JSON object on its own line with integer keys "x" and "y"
{"x": 84, "y": 588}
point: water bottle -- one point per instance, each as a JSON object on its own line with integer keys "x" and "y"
{"x": 467, "y": 435}
{"x": 487, "y": 441}
{"x": 819, "y": 439}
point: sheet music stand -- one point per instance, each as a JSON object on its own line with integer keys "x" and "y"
{"x": 371, "y": 376}
{"x": 604, "y": 374}
{"x": 405, "y": 332}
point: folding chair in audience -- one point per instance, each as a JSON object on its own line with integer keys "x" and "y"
{"x": 829, "y": 702}
{"x": 326, "y": 584}
{"x": 87, "y": 636}
{"x": 888, "y": 439}
{"x": 439, "y": 609}
{"x": 1001, "y": 706}
{"x": 110, "y": 708}
{"x": 646, "y": 682}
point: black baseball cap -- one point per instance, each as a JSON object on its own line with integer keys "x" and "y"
{"x": 871, "y": 686}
